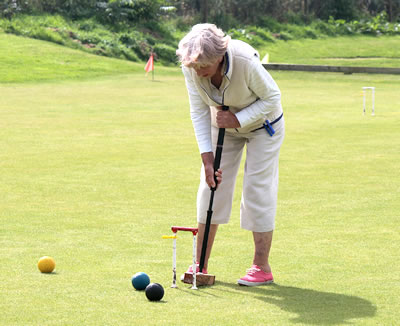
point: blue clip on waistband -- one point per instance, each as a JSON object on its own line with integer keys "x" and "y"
{"x": 268, "y": 128}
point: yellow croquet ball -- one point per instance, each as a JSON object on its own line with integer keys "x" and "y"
{"x": 46, "y": 264}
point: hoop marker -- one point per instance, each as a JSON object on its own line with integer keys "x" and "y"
{"x": 169, "y": 236}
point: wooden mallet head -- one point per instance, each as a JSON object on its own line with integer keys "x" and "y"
{"x": 201, "y": 279}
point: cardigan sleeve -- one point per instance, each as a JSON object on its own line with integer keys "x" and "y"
{"x": 200, "y": 115}
{"x": 267, "y": 91}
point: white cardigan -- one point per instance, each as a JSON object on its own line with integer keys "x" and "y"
{"x": 247, "y": 88}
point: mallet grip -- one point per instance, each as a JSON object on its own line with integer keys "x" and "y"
{"x": 218, "y": 151}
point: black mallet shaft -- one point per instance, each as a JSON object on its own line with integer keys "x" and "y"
{"x": 217, "y": 162}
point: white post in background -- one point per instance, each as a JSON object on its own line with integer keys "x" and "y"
{"x": 365, "y": 90}
{"x": 373, "y": 100}
{"x": 364, "y": 100}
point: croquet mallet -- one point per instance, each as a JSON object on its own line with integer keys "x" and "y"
{"x": 208, "y": 279}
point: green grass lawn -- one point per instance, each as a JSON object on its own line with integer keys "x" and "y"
{"x": 28, "y": 60}
{"x": 95, "y": 171}
{"x": 362, "y": 51}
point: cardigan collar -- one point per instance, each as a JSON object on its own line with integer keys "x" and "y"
{"x": 228, "y": 64}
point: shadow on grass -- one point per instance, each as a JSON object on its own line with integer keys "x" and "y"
{"x": 310, "y": 306}
{"x": 50, "y": 274}
{"x": 202, "y": 291}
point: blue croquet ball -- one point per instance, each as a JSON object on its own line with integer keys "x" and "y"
{"x": 140, "y": 281}
{"x": 154, "y": 292}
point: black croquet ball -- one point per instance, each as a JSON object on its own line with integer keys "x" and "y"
{"x": 154, "y": 292}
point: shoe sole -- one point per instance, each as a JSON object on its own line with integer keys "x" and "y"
{"x": 246, "y": 283}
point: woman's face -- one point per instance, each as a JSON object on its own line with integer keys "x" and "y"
{"x": 209, "y": 70}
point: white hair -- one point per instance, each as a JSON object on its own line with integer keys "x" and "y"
{"x": 202, "y": 46}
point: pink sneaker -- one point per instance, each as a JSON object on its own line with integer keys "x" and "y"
{"x": 190, "y": 269}
{"x": 256, "y": 276}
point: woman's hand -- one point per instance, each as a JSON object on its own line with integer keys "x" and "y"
{"x": 208, "y": 162}
{"x": 226, "y": 119}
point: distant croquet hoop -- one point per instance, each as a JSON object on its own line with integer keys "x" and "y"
{"x": 372, "y": 91}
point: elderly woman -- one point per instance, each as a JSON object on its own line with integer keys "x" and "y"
{"x": 219, "y": 71}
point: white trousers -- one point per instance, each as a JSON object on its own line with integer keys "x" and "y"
{"x": 260, "y": 182}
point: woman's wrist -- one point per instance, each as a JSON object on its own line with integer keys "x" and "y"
{"x": 207, "y": 158}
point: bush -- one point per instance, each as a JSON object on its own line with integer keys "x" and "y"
{"x": 165, "y": 53}
{"x": 137, "y": 43}
{"x": 296, "y": 18}
{"x": 247, "y": 35}
{"x": 130, "y": 12}
{"x": 156, "y": 31}
{"x": 225, "y": 21}
{"x": 46, "y": 34}
{"x": 310, "y": 33}
{"x": 264, "y": 34}
{"x": 324, "y": 28}
{"x": 270, "y": 24}
{"x": 88, "y": 24}
{"x": 296, "y": 32}
{"x": 286, "y": 36}
{"x": 130, "y": 55}
{"x": 184, "y": 23}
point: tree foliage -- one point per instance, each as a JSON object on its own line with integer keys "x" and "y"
{"x": 112, "y": 11}
{"x": 223, "y": 12}
{"x": 249, "y": 11}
